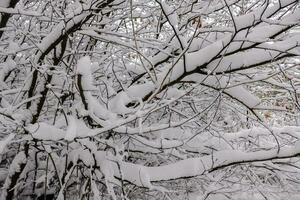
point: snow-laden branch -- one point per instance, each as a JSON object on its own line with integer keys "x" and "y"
{"x": 143, "y": 175}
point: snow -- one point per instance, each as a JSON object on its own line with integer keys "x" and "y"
{"x": 95, "y": 190}
{"x": 136, "y": 174}
{"x": 84, "y": 68}
{"x": 135, "y": 68}
{"x": 134, "y": 93}
{"x": 143, "y": 176}
{"x": 44, "y": 131}
{"x": 199, "y": 166}
{"x": 221, "y": 82}
{"x": 260, "y": 13}
{"x": 105, "y": 163}
{"x": 4, "y": 3}
{"x": 171, "y": 73}
{"x": 261, "y": 33}
{"x": 98, "y": 109}
{"x": 60, "y": 195}
{"x": 171, "y": 133}
{"x": 5, "y": 67}
{"x": 244, "y": 96}
{"x": 3, "y": 175}
{"x": 172, "y": 17}
{"x": 258, "y": 131}
{"x": 193, "y": 60}
{"x": 118, "y": 104}
{"x": 192, "y": 125}
{"x": 14, "y": 167}
{"x": 158, "y": 144}
{"x": 18, "y": 10}
{"x": 139, "y": 91}
{"x": 56, "y": 32}
{"x": 5, "y": 142}
{"x": 263, "y": 53}
{"x": 72, "y": 129}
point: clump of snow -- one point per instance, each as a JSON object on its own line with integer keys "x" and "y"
{"x": 133, "y": 94}
{"x": 44, "y": 131}
{"x": 84, "y": 67}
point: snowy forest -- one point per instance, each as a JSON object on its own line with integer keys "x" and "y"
{"x": 150, "y": 99}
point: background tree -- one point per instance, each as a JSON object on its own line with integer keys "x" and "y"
{"x": 133, "y": 99}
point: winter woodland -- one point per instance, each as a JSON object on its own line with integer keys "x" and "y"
{"x": 149, "y": 99}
